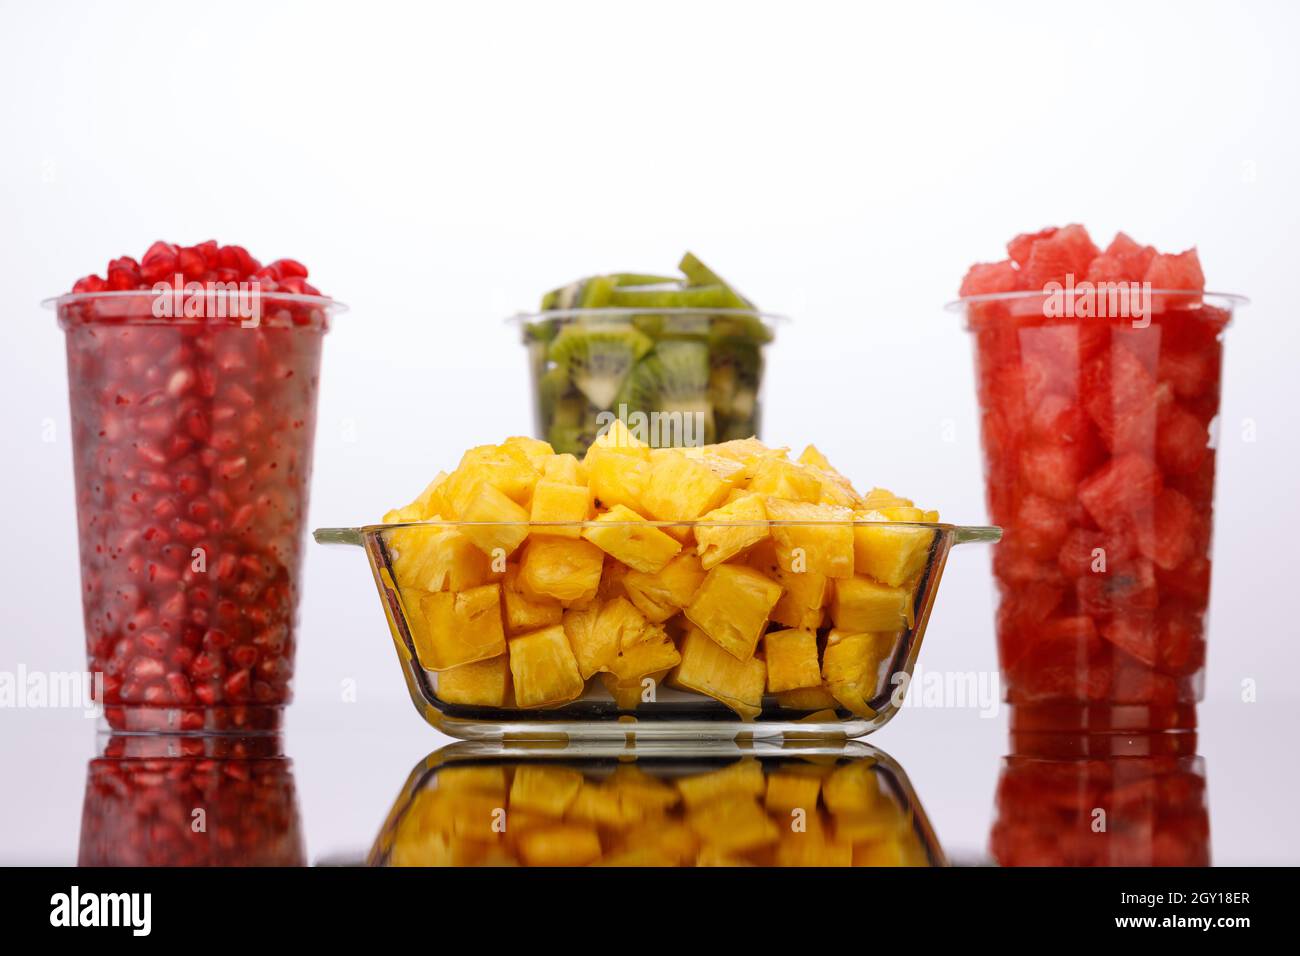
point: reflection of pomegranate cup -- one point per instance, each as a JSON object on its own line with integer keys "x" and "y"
{"x": 1097, "y": 429}
{"x": 192, "y": 444}
{"x": 190, "y": 801}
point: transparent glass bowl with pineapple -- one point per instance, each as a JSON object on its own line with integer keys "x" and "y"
{"x": 685, "y": 352}
{"x": 697, "y": 804}
{"x": 711, "y": 591}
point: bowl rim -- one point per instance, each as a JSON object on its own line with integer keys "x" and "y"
{"x": 619, "y": 312}
{"x": 333, "y": 306}
{"x": 1232, "y": 299}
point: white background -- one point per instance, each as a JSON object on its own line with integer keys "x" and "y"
{"x": 438, "y": 166}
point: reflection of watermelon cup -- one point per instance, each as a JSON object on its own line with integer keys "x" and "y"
{"x": 192, "y": 445}
{"x": 1099, "y": 464}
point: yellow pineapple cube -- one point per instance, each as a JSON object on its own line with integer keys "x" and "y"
{"x": 636, "y": 787}
{"x": 487, "y": 503}
{"x": 791, "y": 660}
{"x": 617, "y": 479}
{"x": 428, "y": 504}
{"x": 856, "y": 667}
{"x": 568, "y": 571}
{"x": 733, "y": 826}
{"x": 792, "y": 790}
{"x": 564, "y": 469}
{"x": 718, "y": 543}
{"x": 807, "y": 698}
{"x": 597, "y": 632}
{"x": 852, "y": 788}
{"x": 544, "y": 669}
{"x": 732, "y": 607}
{"x": 612, "y": 584}
{"x": 629, "y": 538}
{"x": 786, "y": 480}
{"x": 526, "y": 611}
{"x": 557, "y": 502}
{"x": 812, "y": 849}
{"x": 744, "y": 778}
{"x": 661, "y": 595}
{"x": 437, "y": 557}
{"x": 544, "y": 790}
{"x": 707, "y": 669}
{"x": 535, "y": 451}
{"x": 878, "y": 498}
{"x": 811, "y": 455}
{"x": 803, "y": 594}
{"x": 903, "y": 513}
{"x": 560, "y": 845}
{"x": 653, "y": 652}
{"x": 459, "y": 628}
{"x": 617, "y": 438}
{"x": 484, "y": 683}
{"x": 820, "y": 539}
{"x": 507, "y": 470}
{"x": 680, "y": 488}
{"x": 484, "y": 778}
{"x": 890, "y": 554}
{"x": 861, "y": 604}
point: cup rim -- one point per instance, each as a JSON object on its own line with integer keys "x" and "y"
{"x": 618, "y": 312}
{"x": 1232, "y": 299}
{"x": 331, "y": 305}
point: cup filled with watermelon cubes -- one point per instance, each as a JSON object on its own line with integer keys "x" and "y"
{"x": 684, "y": 354}
{"x": 1098, "y": 375}
{"x": 703, "y": 803}
{"x": 192, "y": 377}
{"x": 706, "y": 591}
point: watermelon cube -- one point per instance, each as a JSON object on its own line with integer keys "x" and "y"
{"x": 1123, "y": 261}
{"x": 1051, "y": 258}
{"x": 987, "y": 278}
{"x": 1064, "y": 661}
{"x": 1134, "y": 634}
{"x": 1166, "y": 531}
{"x": 1180, "y": 639}
{"x": 1182, "y": 440}
{"x": 1129, "y": 586}
{"x": 1040, "y": 526}
{"x": 1125, "y": 484}
{"x": 1020, "y": 247}
{"x": 1180, "y": 271}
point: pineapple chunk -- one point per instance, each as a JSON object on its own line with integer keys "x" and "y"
{"x": 438, "y": 558}
{"x": 732, "y": 607}
{"x": 790, "y": 790}
{"x": 852, "y": 788}
{"x": 597, "y": 632}
{"x": 526, "y": 611}
{"x": 484, "y": 778}
{"x": 505, "y": 469}
{"x": 659, "y": 596}
{"x": 625, "y": 535}
{"x": 778, "y": 478}
{"x": 560, "y": 845}
{"x": 811, "y": 455}
{"x": 544, "y": 669}
{"x": 484, "y": 683}
{"x": 878, "y": 498}
{"x": 564, "y": 469}
{"x": 733, "y": 826}
{"x": 557, "y": 502}
{"x": 716, "y": 544}
{"x": 459, "y": 628}
{"x": 617, "y": 438}
{"x": 856, "y": 668}
{"x": 568, "y": 571}
{"x": 618, "y": 479}
{"x": 707, "y": 669}
{"x": 626, "y": 696}
{"x": 544, "y": 790}
{"x": 903, "y": 513}
{"x": 791, "y": 660}
{"x": 803, "y": 592}
{"x": 860, "y": 604}
{"x": 812, "y": 849}
{"x": 823, "y": 547}
{"x": 653, "y": 652}
{"x": 680, "y": 488}
{"x": 612, "y": 585}
{"x": 807, "y": 698}
{"x": 535, "y": 451}
{"x": 739, "y": 780}
{"x": 487, "y": 503}
{"x": 889, "y": 554}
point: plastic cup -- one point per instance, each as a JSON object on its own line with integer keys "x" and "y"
{"x": 1098, "y": 426}
{"x": 192, "y": 450}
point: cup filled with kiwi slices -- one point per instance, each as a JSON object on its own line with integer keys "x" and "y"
{"x": 676, "y": 359}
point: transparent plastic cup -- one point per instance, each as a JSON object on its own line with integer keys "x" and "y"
{"x": 192, "y": 451}
{"x": 1098, "y": 428}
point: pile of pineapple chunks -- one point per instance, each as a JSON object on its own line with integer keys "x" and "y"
{"x": 797, "y": 814}
{"x": 777, "y": 576}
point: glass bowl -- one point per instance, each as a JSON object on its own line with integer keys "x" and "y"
{"x": 706, "y": 804}
{"x": 760, "y": 645}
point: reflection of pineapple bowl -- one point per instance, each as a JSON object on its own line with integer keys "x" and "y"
{"x": 706, "y": 590}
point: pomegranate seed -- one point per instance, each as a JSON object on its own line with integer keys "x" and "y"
{"x": 180, "y": 688}
{"x": 237, "y": 684}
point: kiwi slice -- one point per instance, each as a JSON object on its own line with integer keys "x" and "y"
{"x": 673, "y": 379}
{"x": 597, "y": 359}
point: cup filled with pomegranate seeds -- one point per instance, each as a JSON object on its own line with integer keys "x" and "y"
{"x": 1098, "y": 375}
{"x": 192, "y": 379}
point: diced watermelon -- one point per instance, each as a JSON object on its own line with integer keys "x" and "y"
{"x": 1180, "y": 636}
{"x": 1125, "y": 484}
{"x": 1064, "y": 661}
{"x": 1189, "y": 372}
{"x": 1040, "y": 526}
{"x": 1121, "y": 396}
{"x": 1137, "y": 683}
{"x": 1020, "y": 247}
{"x": 1177, "y": 271}
{"x": 1013, "y": 564}
{"x": 1135, "y": 634}
{"x": 1199, "y": 484}
{"x": 1165, "y": 532}
{"x": 1125, "y": 587}
{"x": 1021, "y": 611}
{"x": 1067, "y": 251}
{"x": 1189, "y": 581}
{"x": 1051, "y": 470}
{"x": 1123, "y": 261}
{"x": 1079, "y": 552}
{"x": 1182, "y": 442}
{"x": 987, "y": 278}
